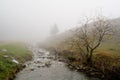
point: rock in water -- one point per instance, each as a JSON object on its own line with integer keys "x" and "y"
{"x": 32, "y": 69}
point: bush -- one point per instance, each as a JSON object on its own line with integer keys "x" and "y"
{"x": 71, "y": 58}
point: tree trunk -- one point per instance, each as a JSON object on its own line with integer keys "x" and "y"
{"x": 89, "y": 61}
{"x": 89, "y": 58}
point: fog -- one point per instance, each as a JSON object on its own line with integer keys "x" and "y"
{"x": 33, "y": 19}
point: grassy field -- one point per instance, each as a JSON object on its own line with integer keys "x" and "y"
{"x": 8, "y": 52}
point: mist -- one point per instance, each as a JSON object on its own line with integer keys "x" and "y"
{"x": 31, "y": 20}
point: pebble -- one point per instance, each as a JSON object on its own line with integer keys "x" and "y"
{"x": 32, "y": 69}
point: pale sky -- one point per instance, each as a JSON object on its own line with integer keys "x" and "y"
{"x": 32, "y": 19}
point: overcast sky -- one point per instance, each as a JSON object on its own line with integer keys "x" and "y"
{"x": 28, "y": 19}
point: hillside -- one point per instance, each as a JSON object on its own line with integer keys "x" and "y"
{"x": 106, "y": 58}
{"x": 56, "y": 39}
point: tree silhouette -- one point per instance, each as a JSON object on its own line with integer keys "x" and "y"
{"x": 54, "y": 30}
{"x": 87, "y": 39}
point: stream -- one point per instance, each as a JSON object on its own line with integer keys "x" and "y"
{"x": 45, "y": 67}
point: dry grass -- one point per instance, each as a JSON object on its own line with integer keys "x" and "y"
{"x": 106, "y": 61}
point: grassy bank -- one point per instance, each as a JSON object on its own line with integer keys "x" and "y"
{"x": 106, "y": 62}
{"x": 9, "y": 54}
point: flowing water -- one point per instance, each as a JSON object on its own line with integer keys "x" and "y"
{"x": 44, "y": 67}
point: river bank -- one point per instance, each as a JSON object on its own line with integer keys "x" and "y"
{"x": 102, "y": 67}
{"x": 12, "y": 58}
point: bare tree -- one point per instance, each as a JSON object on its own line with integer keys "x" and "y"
{"x": 89, "y": 37}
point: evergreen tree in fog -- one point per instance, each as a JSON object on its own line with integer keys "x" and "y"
{"x": 54, "y": 30}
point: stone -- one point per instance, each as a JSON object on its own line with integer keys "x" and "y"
{"x": 39, "y": 62}
{"x": 38, "y": 66}
{"x": 47, "y": 64}
{"x": 4, "y": 50}
{"x": 6, "y": 56}
{"x": 15, "y": 61}
{"x": 32, "y": 69}
{"x": 23, "y": 66}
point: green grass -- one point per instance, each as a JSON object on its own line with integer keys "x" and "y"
{"x": 110, "y": 46}
{"x": 17, "y": 51}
